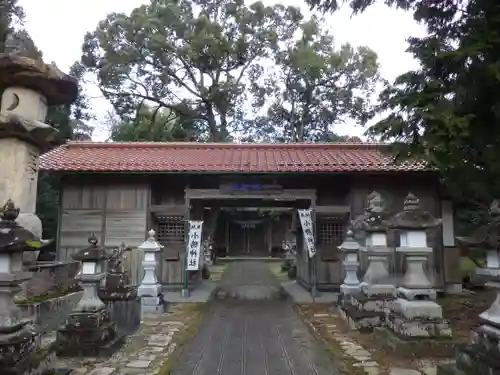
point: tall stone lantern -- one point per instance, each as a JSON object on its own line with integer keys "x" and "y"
{"x": 27, "y": 88}
{"x": 415, "y": 313}
{"x": 17, "y": 334}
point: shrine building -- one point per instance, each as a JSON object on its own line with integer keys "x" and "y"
{"x": 246, "y": 194}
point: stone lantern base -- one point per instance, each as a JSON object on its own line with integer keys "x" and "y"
{"x": 364, "y": 311}
{"x": 88, "y": 333}
{"x": 16, "y": 345}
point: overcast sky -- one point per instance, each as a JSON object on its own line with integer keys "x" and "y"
{"x": 58, "y": 27}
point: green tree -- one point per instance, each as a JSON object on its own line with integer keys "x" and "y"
{"x": 315, "y": 88}
{"x": 196, "y": 58}
{"x": 152, "y": 126}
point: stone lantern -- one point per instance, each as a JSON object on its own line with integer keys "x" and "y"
{"x": 150, "y": 289}
{"x": 17, "y": 334}
{"x": 350, "y": 247}
{"x": 89, "y": 329}
{"x": 415, "y": 312}
{"x": 27, "y": 87}
{"x": 365, "y": 309}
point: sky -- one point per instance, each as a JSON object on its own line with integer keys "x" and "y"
{"x": 58, "y": 31}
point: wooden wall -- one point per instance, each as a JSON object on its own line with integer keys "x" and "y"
{"x": 115, "y": 211}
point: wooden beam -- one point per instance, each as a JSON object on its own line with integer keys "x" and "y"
{"x": 287, "y": 194}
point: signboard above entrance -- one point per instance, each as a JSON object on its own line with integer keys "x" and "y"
{"x": 244, "y": 188}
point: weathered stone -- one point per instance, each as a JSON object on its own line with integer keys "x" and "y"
{"x": 139, "y": 364}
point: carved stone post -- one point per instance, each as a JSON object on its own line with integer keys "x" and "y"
{"x": 415, "y": 313}
{"x": 481, "y": 354}
{"x": 150, "y": 289}
{"x": 350, "y": 247}
{"x": 17, "y": 334}
{"x": 89, "y": 331}
{"x": 29, "y": 87}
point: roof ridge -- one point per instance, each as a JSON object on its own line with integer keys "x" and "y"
{"x": 199, "y": 145}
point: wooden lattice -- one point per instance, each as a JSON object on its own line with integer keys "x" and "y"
{"x": 330, "y": 230}
{"x": 171, "y": 230}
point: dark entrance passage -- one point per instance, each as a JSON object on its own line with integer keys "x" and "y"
{"x": 258, "y": 337}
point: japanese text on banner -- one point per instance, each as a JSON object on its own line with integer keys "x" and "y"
{"x": 193, "y": 250}
{"x": 307, "y": 228}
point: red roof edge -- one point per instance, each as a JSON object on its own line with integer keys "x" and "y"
{"x": 198, "y": 145}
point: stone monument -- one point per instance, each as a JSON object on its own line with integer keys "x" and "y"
{"x": 415, "y": 313}
{"x": 482, "y": 353}
{"x": 27, "y": 86}
{"x": 366, "y": 308}
{"x": 150, "y": 289}
{"x": 89, "y": 331}
{"x": 18, "y": 339}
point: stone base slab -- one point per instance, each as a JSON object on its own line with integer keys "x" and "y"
{"x": 416, "y": 348}
{"x": 418, "y": 328}
{"x": 377, "y": 303}
{"x": 378, "y": 290}
{"x": 360, "y": 320}
{"x": 417, "y": 294}
{"x": 417, "y": 309}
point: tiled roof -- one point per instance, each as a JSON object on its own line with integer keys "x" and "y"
{"x": 223, "y": 158}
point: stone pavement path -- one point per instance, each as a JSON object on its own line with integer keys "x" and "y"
{"x": 249, "y": 280}
{"x": 256, "y": 336}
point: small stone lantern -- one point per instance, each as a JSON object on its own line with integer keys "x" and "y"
{"x": 150, "y": 289}
{"x": 17, "y": 334}
{"x": 89, "y": 329}
{"x": 350, "y": 247}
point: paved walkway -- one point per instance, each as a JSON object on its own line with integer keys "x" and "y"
{"x": 259, "y": 337}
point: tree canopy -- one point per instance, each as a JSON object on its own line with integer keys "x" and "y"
{"x": 196, "y": 58}
{"x": 315, "y": 87}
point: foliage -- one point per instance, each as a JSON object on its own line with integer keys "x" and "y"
{"x": 153, "y": 126}
{"x": 195, "y": 58}
{"x": 11, "y": 14}
{"x": 315, "y": 88}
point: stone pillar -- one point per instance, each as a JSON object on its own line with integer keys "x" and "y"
{"x": 17, "y": 334}
{"x": 150, "y": 289}
{"x": 481, "y": 354}
{"x": 365, "y": 309}
{"x": 415, "y": 313}
{"x": 350, "y": 247}
{"x": 89, "y": 331}
{"x": 30, "y": 87}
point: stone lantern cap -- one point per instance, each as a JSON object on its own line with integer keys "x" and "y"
{"x": 350, "y": 245}
{"x": 13, "y": 237}
{"x": 56, "y": 86}
{"x": 413, "y": 216}
{"x": 487, "y": 235}
{"x": 373, "y": 218}
{"x": 151, "y": 244}
{"x": 92, "y": 253}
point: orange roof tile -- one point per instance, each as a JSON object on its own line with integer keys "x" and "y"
{"x": 223, "y": 158}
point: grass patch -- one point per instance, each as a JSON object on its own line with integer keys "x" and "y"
{"x": 275, "y": 268}
{"x": 181, "y": 338}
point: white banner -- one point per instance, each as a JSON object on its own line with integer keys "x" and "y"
{"x": 307, "y": 228}
{"x": 193, "y": 250}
